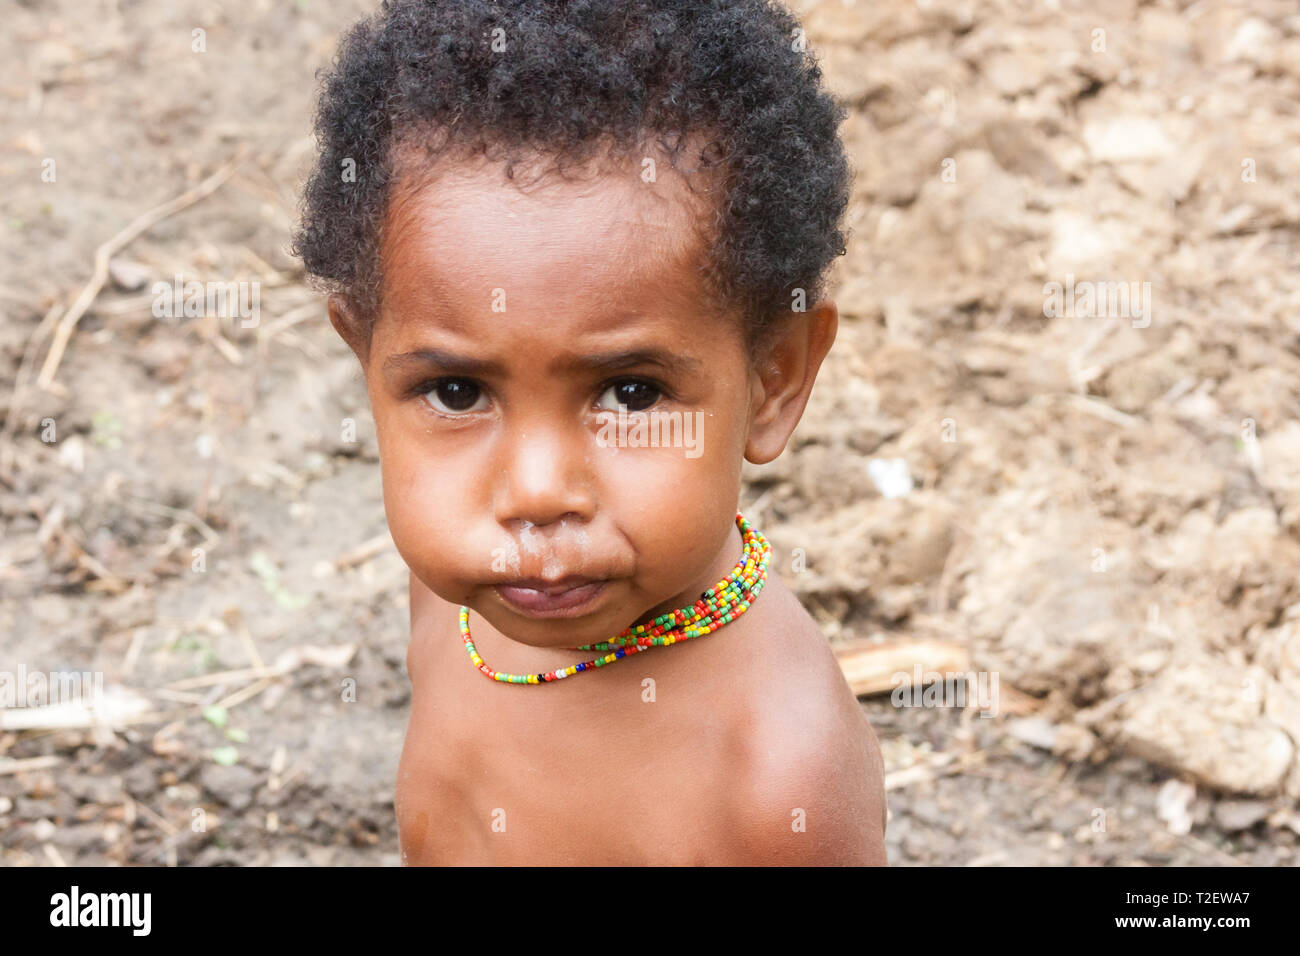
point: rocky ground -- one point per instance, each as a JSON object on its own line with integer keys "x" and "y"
{"x": 1098, "y": 501}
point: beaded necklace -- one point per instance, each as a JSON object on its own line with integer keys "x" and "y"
{"x": 719, "y": 605}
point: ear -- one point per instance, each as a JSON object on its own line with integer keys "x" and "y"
{"x": 351, "y": 327}
{"x": 784, "y": 376}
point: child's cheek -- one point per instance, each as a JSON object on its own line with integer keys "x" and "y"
{"x": 428, "y": 514}
{"x": 675, "y": 503}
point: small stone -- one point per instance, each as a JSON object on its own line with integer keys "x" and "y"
{"x": 43, "y": 830}
{"x": 127, "y": 275}
{"x": 29, "y": 809}
{"x": 1126, "y": 138}
{"x": 1172, "y": 803}
{"x": 140, "y": 781}
{"x": 1255, "y": 42}
{"x": 233, "y": 785}
{"x": 80, "y": 837}
{"x": 890, "y": 476}
{"x": 1035, "y": 731}
{"x": 1234, "y": 815}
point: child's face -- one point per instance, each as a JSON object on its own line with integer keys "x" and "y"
{"x": 514, "y": 324}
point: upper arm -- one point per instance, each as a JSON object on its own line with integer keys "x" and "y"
{"x": 818, "y": 804}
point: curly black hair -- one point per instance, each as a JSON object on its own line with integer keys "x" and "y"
{"x": 575, "y": 75}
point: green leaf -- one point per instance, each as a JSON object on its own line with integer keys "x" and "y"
{"x": 289, "y": 601}
{"x": 264, "y": 568}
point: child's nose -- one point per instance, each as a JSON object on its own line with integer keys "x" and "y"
{"x": 542, "y": 478}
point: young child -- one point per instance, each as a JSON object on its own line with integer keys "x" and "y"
{"x": 579, "y": 250}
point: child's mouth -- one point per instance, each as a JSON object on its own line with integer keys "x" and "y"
{"x": 569, "y": 597}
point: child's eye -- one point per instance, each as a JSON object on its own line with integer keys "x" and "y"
{"x": 455, "y": 396}
{"x": 635, "y": 394}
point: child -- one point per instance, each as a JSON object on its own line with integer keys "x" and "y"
{"x": 579, "y": 248}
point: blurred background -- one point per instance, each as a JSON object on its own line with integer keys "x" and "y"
{"x": 1056, "y": 445}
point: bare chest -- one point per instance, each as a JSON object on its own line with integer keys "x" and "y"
{"x": 497, "y": 774}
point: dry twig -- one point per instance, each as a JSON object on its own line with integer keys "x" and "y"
{"x": 68, "y": 324}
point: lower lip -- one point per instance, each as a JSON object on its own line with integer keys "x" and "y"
{"x": 570, "y": 603}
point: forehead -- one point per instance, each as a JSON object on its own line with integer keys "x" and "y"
{"x": 457, "y": 240}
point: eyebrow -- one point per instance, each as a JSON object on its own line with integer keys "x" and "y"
{"x": 670, "y": 362}
{"x": 451, "y": 363}
{"x": 448, "y": 362}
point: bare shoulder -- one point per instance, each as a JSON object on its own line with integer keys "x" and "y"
{"x": 811, "y": 788}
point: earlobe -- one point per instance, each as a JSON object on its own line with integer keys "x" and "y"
{"x": 350, "y": 326}
{"x": 785, "y": 379}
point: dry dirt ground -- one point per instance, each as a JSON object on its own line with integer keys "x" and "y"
{"x": 1104, "y": 507}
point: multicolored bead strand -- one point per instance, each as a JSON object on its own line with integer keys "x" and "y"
{"x": 719, "y": 605}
